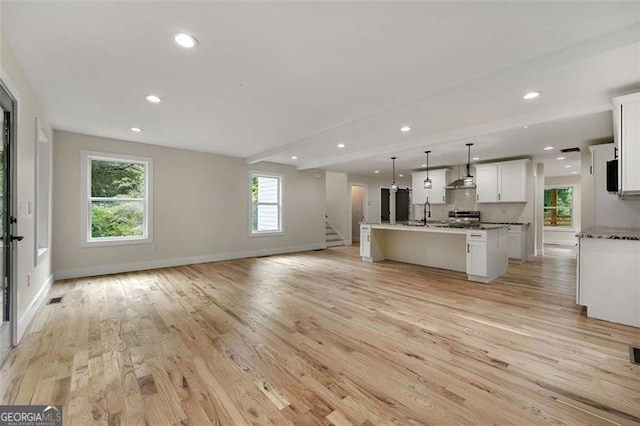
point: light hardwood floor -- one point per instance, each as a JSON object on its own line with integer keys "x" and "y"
{"x": 324, "y": 338}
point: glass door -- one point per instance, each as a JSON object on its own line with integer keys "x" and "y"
{"x": 6, "y": 222}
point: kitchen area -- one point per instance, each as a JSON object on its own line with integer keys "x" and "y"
{"x": 488, "y": 225}
{"x": 475, "y": 218}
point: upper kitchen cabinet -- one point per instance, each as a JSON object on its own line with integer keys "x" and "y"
{"x": 626, "y": 122}
{"x": 418, "y": 193}
{"x": 437, "y": 194}
{"x": 504, "y": 182}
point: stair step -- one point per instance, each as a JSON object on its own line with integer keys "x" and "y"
{"x": 334, "y": 237}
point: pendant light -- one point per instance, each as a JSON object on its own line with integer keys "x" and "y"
{"x": 427, "y": 182}
{"x": 394, "y": 186}
{"x": 468, "y": 179}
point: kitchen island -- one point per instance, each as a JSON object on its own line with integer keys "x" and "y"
{"x": 479, "y": 252}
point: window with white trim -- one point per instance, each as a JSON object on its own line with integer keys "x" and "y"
{"x": 43, "y": 193}
{"x": 117, "y": 199}
{"x": 558, "y": 207}
{"x": 266, "y": 203}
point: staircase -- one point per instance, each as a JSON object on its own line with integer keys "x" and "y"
{"x": 332, "y": 238}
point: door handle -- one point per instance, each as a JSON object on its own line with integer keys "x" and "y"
{"x": 468, "y": 248}
{"x": 16, "y": 237}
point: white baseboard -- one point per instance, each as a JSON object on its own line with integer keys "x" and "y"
{"x": 167, "y": 263}
{"x": 561, "y": 242}
{"x": 531, "y": 257}
{"x": 25, "y": 320}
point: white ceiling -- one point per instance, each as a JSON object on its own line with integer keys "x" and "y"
{"x": 272, "y": 80}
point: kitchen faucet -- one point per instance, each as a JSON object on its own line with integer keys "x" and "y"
{"x": 426, "y": 213}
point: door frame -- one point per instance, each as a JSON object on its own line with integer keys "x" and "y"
{"x": 365, "y": 205}
{"x": 14, "y": 95}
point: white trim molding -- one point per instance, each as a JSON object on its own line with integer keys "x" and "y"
{"x": 166, "y": 263}
{"x": 30, "y": 312}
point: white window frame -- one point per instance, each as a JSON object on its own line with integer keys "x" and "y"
{"x": 85, "y": 199}
{"x": 573, "y": 219}
{"x": 42, "y": 222}
{"x": 280, "y": 230}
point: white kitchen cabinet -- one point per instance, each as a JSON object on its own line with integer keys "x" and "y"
{"x": 477, "y": 253}
{"x": 607, "y": 282}
{"x": 626, "y": 121}
{"x": 437, "y": 194}
{"x": 418, "y": 193}
{"x": 486, "y": 183}
{"x": 504, "y": 182}
{"x": 517, "y": 242}
{"x": 439, "y": 179}
{"x": 365, "y": 241}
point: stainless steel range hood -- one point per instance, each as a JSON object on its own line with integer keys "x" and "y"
{"x": 459, "y": 183}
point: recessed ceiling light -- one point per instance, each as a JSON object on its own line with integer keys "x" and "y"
{"x": 400, "y": 175}
{"x": 376, "y": 171}
{"x": 154, "y": 99}
{"x": 525, "y": 127}
{"x": 136, "y": 129}
{"x": 185, "y": 40}
{"x": 531, "y": 95}
{"x": 568, "y": 166}
{"x": 423, "y": 165}
{"x": 548, "y": 148}
{"x": 561, "y": 158}
{"x": 341, "y": 145}
{"x": 476, "y": 158}
{"x": 293, "y": 157}
{"x": 574, "y": 173}
{"x": 405, "y": 129}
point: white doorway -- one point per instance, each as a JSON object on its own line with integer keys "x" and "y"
{"x": 358, "y": 210}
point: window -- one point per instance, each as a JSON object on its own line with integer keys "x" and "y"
{"x": 558, "y": 207}
{"x": 43, "y": 193}
{"x": 266, "y": 203}
{"x": 117, "y": 199}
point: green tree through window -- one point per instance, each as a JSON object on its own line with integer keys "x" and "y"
{"x": 558, "y": 207}
{"x": 117, "y": 199}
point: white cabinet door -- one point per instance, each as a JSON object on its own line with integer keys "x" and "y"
{"x": 477, "y": 258}
{"x": 486, "y": 183}
{"x": 514, "y": 245}
{"x": 418, "y": 193}
{"x": 512, "y": 182}
{"x": 627, "y": 124}
{"x": 437, "y": 194}
{"x": 365, "y": 243}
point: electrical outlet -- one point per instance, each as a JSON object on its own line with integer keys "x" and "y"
{"x": 28, "y": 280}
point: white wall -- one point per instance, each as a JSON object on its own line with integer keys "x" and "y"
{"x": 337, "y": 198}
{"x": 373, "y": 186}
{"x": 587, "y": 206}
{"x": 201, "y": 209}
{"x": 566, "y": 236}
{"x": 27, "y": 297}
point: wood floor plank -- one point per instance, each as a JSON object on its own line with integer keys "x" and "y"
{"x": 324, "y": 338}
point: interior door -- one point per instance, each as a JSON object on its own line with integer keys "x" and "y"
{"x": 402, "y": 205}
{"x": 7, "y": 116}
{"x": 385, "y": 211}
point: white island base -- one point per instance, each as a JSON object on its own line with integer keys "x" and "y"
{"x": 481, "y": 253}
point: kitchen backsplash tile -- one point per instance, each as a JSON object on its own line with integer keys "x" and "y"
{"x": 465, "y": 199}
